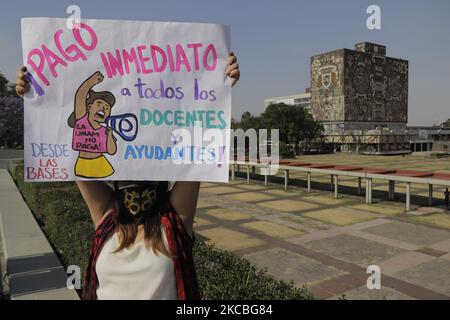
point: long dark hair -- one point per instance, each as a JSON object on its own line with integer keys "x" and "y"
{"x": 128, "y": 224}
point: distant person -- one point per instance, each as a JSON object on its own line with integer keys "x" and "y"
{"x": 142, "y": 246}
{"x": 447, "y": 197}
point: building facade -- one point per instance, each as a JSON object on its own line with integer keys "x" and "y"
{"x": 429, "y": 138}
{"x": 301, "y": 99}
{"x": 361, "y": 92}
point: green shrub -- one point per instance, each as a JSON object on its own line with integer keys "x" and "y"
{"x": 440, "y": 155}
{"x": 63, "y": 216}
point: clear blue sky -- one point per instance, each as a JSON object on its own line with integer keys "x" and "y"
{"x": 275, "y": 39}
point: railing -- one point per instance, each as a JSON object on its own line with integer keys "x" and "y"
{"x": 366, "y": 173}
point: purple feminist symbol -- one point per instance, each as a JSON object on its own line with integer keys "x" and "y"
{"x": 174, "y": 138}
{"x": 40, "y": 92}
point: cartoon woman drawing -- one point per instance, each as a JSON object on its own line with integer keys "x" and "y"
{"x": 91, "y": 137}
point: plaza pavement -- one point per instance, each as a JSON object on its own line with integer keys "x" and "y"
{"x": 328, "y": 243}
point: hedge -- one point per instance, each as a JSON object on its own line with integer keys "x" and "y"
{"x": 62, "y": 214}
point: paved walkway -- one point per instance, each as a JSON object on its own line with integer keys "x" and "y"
{"x": 2, "y": 272}
{"x": 328, "y": 243}
{"x": 34, "y": 270}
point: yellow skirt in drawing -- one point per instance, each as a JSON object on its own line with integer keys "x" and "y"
{"x": 93, "y": 168}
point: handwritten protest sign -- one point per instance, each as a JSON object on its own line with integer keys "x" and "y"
{"x": 126, "y": 100}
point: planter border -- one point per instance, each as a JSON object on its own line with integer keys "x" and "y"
{"x": 33, "y": 270}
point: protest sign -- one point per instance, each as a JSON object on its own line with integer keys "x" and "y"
{"x": 126, "y": 100}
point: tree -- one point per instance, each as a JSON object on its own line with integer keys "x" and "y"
{"x": 446, "y": 124}
{"x": 294, "y": 122}
{"x": 11, "y": 122}
{"x": 4, "y": 90}
{"x": 276, "y": 116}
{"x": 312, "y": 132}
{"x": 248, "y": 121}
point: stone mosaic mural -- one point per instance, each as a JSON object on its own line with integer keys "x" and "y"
{"x": 354, "y": 86}
{"x": 376, "y": 88}
{"x": 327, "y": 94}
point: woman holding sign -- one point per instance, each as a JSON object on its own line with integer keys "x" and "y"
{"x": 142, "y": 246}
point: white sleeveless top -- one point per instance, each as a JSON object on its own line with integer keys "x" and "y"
{"x": 134, "y": 274}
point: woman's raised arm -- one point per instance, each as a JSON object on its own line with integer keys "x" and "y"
{"x": 184, "y": 198}
{"x": 99, "y": 198}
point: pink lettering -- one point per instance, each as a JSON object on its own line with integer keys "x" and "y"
{"x": 170, "y": 55}
{"x": 38, "y": 69}
{"x": 182, "y": 59}
{"x": 209, "y": 49}
{"x": 113, "y": 64}
{"x": 71, "y": 48}
{"x": 71, "y": 53}
{"x": 163, "y": 59}
{"x": 49, "y": 56}
{"x": 106, "y": 65}
{"x": 143, "y": 60}
{"x": 77, "y": 35}
{"x": 162, "y": 66}
{"x": 195, "y": 46}
{"x": 130, "y": 58}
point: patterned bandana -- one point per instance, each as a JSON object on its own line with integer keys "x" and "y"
{"x": 140, "y": 198}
